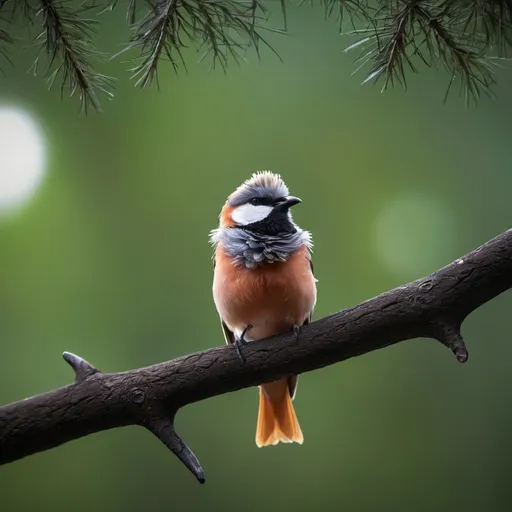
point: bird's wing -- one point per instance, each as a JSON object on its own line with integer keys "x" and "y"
{"x": 293, "y": 380}
{"x": 312, "y": 268}
{"x": 228, "y": 334}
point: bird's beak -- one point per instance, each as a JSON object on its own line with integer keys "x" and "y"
{"x": 287, "y": 203}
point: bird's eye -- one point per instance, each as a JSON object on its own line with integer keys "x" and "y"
{"x": 255, "y": 201}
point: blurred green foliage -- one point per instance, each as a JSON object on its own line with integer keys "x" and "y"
{"x": 111, "y": 260}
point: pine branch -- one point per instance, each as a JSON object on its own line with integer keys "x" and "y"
{"x": 474, "y": 71}
{"x": 357, "y": 10}
{"x": 405, "y": 32}
{"x": 433, "y": 307}
{"x": 396, "y": 37}
{"x": 6, "y": 41}
{"x": 223, "y": 29}
{"x": 489, "y": 21}
{"x": 67, "y": 40}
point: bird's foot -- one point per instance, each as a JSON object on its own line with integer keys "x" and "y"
{"x": 296, "y": 331}
{"x": 240, "y": 342}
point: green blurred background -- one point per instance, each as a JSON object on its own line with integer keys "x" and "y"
{"x": 110, "y": 259}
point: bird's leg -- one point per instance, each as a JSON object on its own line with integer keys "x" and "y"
{"x": 296, "y": 331}
{"x": 240, "y": 342}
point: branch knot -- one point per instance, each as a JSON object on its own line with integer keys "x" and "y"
{"x": 138, "y": 396}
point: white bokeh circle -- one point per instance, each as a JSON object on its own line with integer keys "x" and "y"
{"x": 22, "y": 158}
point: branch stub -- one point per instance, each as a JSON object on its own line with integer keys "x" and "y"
{"x": 82, "y": 368}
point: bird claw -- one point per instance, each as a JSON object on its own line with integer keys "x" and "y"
{"x": 296, "y": 331}
{"x": 240, "y": 342}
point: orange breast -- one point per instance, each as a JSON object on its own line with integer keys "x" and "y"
{"x": 272, "y": 298}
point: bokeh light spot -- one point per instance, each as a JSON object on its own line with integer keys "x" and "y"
{"x": 22, "y": 159}
{"x": 414, "y": 235}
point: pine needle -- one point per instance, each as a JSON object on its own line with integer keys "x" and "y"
{"x": 405, "y": 33}
{"x": 394, "y": 37}
{"x": 222, "y": 29}
{"x": 66, "y": 37}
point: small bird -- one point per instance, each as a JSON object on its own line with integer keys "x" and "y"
{"x": 264, "y": 285}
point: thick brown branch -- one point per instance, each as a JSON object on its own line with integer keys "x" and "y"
{"x": 432, "y": 307}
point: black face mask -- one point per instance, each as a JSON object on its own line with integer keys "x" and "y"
{"x": 277, "y": 223}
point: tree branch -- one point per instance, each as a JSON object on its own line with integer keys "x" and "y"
{"x": 433, "y": 307}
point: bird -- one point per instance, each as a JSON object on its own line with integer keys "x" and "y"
{"x": 264, "y": 285}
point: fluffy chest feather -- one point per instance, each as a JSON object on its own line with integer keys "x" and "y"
{"x": 256, "y": 250}
{"x": 271, "y": 297}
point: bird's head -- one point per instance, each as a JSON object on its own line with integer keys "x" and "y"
{"x": 261, "y": 204}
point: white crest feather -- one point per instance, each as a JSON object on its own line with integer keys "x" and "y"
{"x": 265, "y": 179}
{"x": 260, "y": 184}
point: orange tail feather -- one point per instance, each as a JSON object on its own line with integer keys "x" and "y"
{"x": 277, "y": 421}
